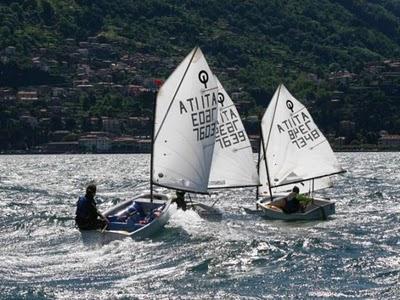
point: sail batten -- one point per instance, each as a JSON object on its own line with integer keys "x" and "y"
{"x": 294, "y": 148}
{"x": 176, "y": 91}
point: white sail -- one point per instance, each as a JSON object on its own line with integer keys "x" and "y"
{"x": 233, "y": 163}
{"x": 185, "y": 126}
{"x": 295, "y": 149}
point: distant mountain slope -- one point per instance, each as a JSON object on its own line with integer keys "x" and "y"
{"x": 252, "y": 45}
{"x": 310, "y": 34}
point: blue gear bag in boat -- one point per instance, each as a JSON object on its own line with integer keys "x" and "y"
{"x": 136, "y": 208}
{"x": 129, "y": 219}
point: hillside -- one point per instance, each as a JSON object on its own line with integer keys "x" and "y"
{"x": 252, "y": 46}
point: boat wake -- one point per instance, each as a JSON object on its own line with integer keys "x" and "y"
{"x": 189, "y": 221}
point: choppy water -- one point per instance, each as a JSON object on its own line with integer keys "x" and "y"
{"x": 355, "y": 254}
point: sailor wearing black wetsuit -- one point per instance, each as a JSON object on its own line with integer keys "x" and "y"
{"x": 86, "y": 211}
{"x": 292, "y": 204}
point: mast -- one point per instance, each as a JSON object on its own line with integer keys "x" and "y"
{"x": 312, "y": 187}
{"x": 264, "y": 146}
{"x": 258, "y": 164}
{"x": 152, "y": 149}
{"x": 266, "y": 163}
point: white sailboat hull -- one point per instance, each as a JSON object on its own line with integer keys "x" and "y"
{"x": 320, "y": 209}
{"x": 148, "y": 229}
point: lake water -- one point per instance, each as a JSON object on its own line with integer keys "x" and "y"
{"x": 355, "y": 254}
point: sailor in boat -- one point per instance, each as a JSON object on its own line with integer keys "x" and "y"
{"x": 289, "y": 204}
{"x": 179, "y": 199}
{"x": 87, "y": 216}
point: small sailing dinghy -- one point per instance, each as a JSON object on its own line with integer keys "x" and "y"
{"x": 293, "y": 152}
{"x": 185, "y": 125}
{"x": 139, "y": 217}
{"x": 233, "y": 164}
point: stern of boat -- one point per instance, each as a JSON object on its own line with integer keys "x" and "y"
{"x": 320, "y": 209}
{"x": 144, "y": 199}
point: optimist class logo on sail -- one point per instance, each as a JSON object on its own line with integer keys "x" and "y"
{"x": 202, "y": 109}
{"x": 299, "y": 127}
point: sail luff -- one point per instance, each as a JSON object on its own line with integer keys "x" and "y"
{"x": 173, "y": 99}
{"x": 273, "y": 118}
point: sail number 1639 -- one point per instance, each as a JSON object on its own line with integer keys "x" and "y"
{"x": 228, "y": 134}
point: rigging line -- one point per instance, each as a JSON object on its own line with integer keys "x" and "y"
{"x": 215, "y": 202}
{"x": 192, "y": 203}
{"x": 176, "y": 92}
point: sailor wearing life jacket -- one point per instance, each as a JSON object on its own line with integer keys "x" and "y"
{"x": 87, "y": 216}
